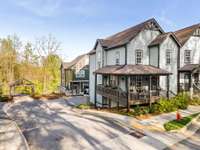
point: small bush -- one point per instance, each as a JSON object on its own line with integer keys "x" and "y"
{"x": 166, "y": 105}
{"x": 194, "y": 101}
{"x": 84, "y": 106}
{"x": 141, "y": 110}
{"x": 181, "y": 101}
{"x": 155, "y": 108}
{"x": 5, "y": 99}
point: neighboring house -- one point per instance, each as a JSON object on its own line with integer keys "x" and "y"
{"x": 136, "y": 66}
{"x": 189, "y": 70}
{"x": 75, "y": 75}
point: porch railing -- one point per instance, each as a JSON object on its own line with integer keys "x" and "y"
{"x": 111, "y": 93}
{"x": 117, "y": 94}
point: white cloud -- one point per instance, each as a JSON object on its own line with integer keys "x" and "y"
{"x": 42, "y": 8}
{"x": 48, "y": 8}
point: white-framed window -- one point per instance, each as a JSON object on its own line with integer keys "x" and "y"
{"x": 80, "y": 74}
{"x": 138, "y": 56}
{"x": 187, "y": 56}
{"x": 113, "y": 80}
{"x": 168, "y": 57}
{"x": 139, "y": 82}
{"x": 117, "y": 58}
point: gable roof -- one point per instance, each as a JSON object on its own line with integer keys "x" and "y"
{"x": 123, "y": 37}
{"x": 67, "y": 65}
{"x": 184, "y": 34}
{"x": 162, "y": 37}
{"x": 189, "y": 67}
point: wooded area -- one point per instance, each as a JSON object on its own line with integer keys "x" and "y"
{"x": 37, "y": 62}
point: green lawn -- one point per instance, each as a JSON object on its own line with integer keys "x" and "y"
{"x": 178, "y": 124}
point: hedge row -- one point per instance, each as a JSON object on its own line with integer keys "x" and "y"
{"x": 164, "y": 105}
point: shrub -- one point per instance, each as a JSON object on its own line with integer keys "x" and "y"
{"x": 166, "y": 105}
{"x": 195, "y": 101}
{"x": 84, "y": 106}
{"x": 155, "y": 108}
{"x": 181, "y": 100}
{"x": 141, "y": 110}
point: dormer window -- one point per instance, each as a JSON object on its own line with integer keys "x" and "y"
{"x": 139, "y": 55}
{"x": 117, "y": 58}
{"x": 187, "y": 57}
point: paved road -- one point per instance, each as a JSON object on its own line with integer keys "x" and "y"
{"x": 10, "y": 135}
{"x": 54, "y": 125}
{"x": 191, "y": 143}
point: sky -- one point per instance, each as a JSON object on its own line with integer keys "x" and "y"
{"x": 78, "y": 23}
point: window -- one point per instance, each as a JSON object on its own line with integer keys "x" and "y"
{"x": 139, "y": 83}
{"x": 139, "y": 56}
{"x": 187, "y": 56}
{"x": 98, "y": 65}
{"x": 168, "y": 57}
{"x": 80, "y": 74}
{"x": 99, "y": 56}
{"x": 117, "y": 58}
{"x": 113, "y": 80}
{"x": 98, "y": 59}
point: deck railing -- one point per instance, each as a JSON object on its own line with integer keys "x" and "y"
{"x": 117, "y": 94}
{"x": 111, "y": 93}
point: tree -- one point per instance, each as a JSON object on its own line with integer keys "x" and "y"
{"x": 47, "y": 48}
{"x": 8, "y": 56}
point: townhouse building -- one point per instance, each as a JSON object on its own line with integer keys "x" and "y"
{"x": 143, "y": 63}
{"x": 75, "y": 75}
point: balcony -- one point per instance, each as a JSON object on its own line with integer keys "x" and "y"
{"x": 134, "y": 98}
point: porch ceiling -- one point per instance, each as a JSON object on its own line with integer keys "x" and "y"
{"x": 189, "y": 67}
{"x": 132, "y": 70}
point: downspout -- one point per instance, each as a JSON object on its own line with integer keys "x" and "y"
{"x": 158, "y": 55}
{"x": 125, "y": 46}
{"x": 178, "y": 73}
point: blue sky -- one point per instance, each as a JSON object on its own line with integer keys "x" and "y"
{"x": 78, "y": 23}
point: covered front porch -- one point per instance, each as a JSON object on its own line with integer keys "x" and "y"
{"x": 189, "y": 79}
{"x": 122, "y": 86}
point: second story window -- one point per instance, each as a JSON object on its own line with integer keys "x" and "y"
{"x": 168, "y": 57}
{"x": 187, "y": 58}
{"x": 139, "y": 55}
{"x": 117, "y": 58}
{"x": 99, "y": 59}
{"x": 99, "y": 56}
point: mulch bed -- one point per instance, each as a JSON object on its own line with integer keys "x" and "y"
{"x": 51, "y": 96}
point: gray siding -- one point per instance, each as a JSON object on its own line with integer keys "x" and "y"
{"x": 92, "y": 68}
{"x": 169, "y": 44}
{"x": 141, "y": 42}
{"x": 153, "y": 56}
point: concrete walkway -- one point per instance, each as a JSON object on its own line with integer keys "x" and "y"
{"x": 192, "y": 142}
{"x": 153, "y": 127}
{"x": 11, "y": 137}
{"x": 157, "y": 122}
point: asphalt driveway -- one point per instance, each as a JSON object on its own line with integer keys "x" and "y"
{"x": 54, "y": 125}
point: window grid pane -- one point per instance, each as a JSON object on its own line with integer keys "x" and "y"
{"x": 187, "y": 56}
{"x": 168, "y": 57}
{"x": 139, "y": 56}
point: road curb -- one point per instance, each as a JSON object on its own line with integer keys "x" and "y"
{"x": 18, "y": 128}
{"x": 184, "y": 130}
